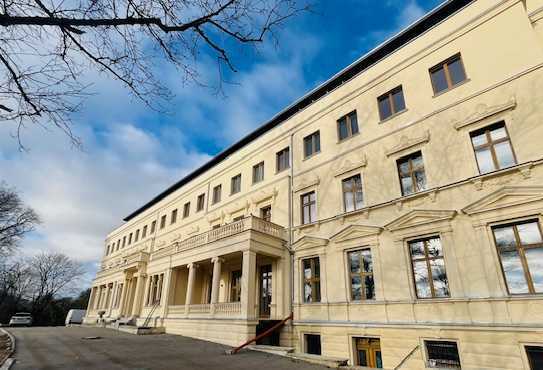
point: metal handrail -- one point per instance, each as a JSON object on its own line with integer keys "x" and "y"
{"x": 148, "y": 318}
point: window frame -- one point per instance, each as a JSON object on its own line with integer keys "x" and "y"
{"x": 263, "y": 210}
{"x": 153, "y": 227}
{"x": 360, "y": 274}
{"x": 354, "y": 191}
{"x": 435, "y": 340}
{"x": 427, "y": 260}
{"x": 521, "y": 250}
{"x": 173, "y": 217}
{"x": 233, "y": 182}
{"x": 200, "y": 202}
{"x": 256, "y": 168}
{"x": 162, "y": 222}
{"x": 308, "y": 204}
{"x": 316, "y": 296}
{"x": 217, "y": 194}
{"x": 490, "y": 144}
{"x": 278, "y": 155}
{"x": 186, "y": 210}
{"x": 314, "y": 150}
{"x": 409, "y": 158}
{"x": 348, "y": 122}
{"x": 137, "y": 235}
{"x": 392, "y": 105}
{"x": 144, "y": 232}
{"x": 445, "y": 66}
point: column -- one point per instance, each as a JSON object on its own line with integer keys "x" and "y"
{"x": 98, "y": 298}
{"x": 138, "y": 294}
{"x": 165, "y": 292}
{"x": 124, "y": 293}
{"x": 92, "y": 298}
{"x": 112, "y": 298}
{"x": 215, "y": 285}
{"x": 248, "y": 284}
{"x": 190, "y": 285}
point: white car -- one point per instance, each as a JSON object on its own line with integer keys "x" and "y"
{"x": 21, "y": 319}
{"x": 75, "y": 316}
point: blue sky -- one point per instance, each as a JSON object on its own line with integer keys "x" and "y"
{"x": 131, "y": 153}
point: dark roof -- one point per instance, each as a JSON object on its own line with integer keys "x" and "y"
{"x": 380, "y": 52}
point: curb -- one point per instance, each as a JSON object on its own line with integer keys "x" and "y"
{"x": 6, "y": 364}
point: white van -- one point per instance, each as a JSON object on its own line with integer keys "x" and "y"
{"x": 75, "y": 317}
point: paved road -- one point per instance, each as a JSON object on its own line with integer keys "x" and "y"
{"x": 64, "y": 348}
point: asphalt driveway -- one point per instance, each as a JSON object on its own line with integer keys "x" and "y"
{"x": 64, "y": 348}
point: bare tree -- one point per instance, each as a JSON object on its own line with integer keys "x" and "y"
{"x": 15, "y": 280}
{"x": 16, "y": 220}
{"x": 46, "y": 45}
{"x": 52, "y": 274}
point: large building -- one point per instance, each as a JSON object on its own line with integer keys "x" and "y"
{"x": 396, "y": 210}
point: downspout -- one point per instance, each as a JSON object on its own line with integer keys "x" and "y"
{"x": 290, "y": 223}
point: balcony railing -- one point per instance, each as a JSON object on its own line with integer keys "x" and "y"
{"x": 221, "y": 310}
{"x": 228, "y": 308}
{"x": 248, "y": 223}
{"x": 199, "y": 308}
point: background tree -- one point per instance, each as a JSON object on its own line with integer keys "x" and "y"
{"x": 45, "y": 45}
{"x": 16, "y": 220}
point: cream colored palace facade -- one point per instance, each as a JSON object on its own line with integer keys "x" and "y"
{"x": 396, "y": 210}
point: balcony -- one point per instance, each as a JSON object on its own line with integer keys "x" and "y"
{"x": 209, "y": 310}
{"x": 250, "y": 223}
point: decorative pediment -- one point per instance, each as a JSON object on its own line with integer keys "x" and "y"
{"x": 407, "y": 143}
{"x": 351, "y": 164}
{"x": 355, "y": 232}
{"x": 239, "y": 206}
{"x": 264, "y": 196}
{"x": 419, "y": 217}
{"x": 308, "y": 242}
{"x": 483, "y": 111}
{"x": 506, "y": 197}
{"x": 306, "y": 182}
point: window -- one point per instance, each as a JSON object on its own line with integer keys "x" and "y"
{"x": 347, "y": 126}
{"x": 312, "y": 344}
{"x": 153, "y": 227}
{"x": 361, "y": 273}
{"x": 217, "y": 194}
{"x": 429, "y": 268}
{"x": 447, "y": 74}
{"x": 137, "y": 236}
{"x": 265, "y": 213}
{"x": 520, "y": 248}
{"x": 186, "y": 210}
{"x": 312, "y": 144}
{"x": 411, "y": 172}
{"x": 258, "y": 172}
{"x": 442, "y": 354}
{"x": 492, "y": 148}
{"x": 535, "y": 357}
{"x": 107, "y": 249}
{"x": 309, "y": 208}
{"x": 283, "y": 159}
{"x": 163, "y": 222}
{"x": 391, "y": 103}
{"x": 124, "y": 241}
{"x": 200, "y": 202}
{"x": 173, "y": 218}
{"x": 129, "y": 238}
{"x": 236, "y": 219}
{"x": 312, "y": 279}
{"x": 235, "y": 184}
{"x": 352, "y": 193}
{"x": 144, "y": 232}
{"x": 118, "y": 244}
{"x": 216, "y": 226}
{"x": 368, "y": 352}
{"x": 235, "y": 286}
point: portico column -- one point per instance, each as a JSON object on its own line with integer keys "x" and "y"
{"x": 112, "y": 297}
{"x": 138, "y": 295}
{"x": 123, "y": 296}
{"x": 165, "y": 292}
{"x": 215, "y": 282}
{"x": 190, "y": 285}
{"x": 92, "y": 300}
{"x": 248, "y": 284}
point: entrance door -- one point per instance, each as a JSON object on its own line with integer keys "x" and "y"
{"x": 368, "y": 352}
{"x": 265, "y": 290}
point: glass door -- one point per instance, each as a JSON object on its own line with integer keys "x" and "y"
{"x": 265, "y": 290}
{"x": 368, "y": 352}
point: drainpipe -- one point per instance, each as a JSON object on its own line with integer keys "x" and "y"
{"x": 290, "y": 222}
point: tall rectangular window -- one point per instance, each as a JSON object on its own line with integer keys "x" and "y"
{"x": 258, "y": 172}
{"x": 144, "y": 232}
{"x": 200, "y": 202}
{"x": 361, "y": 272}
{"x": 186, "y": 210}
{"x": 313, "y": 344}
{"x": 129, "y": 238}
{"x": 153, "y": 227}
{"x": 137, "y": 236}
{"x": 283, "y": 159}
{"x": 352, "y": 193}
{"x": 411, "y": 172}
{"x": 447, "y": 74}
{"x": 391, "y": 103}
{"x": 312, "y": 144}
{"x": 309, "y": 207}
{"x": 118, "y": 244}
{"x": 442, "y": 354}
{"x": 312, "y": 279}
{"x": 520, "y": 248}
{"x": 235, "y": 286}
{"x": 124, "y": 241}
{"x": 429, "y": 268}
{"x": 347, "y": 126}
{"x": 265, "y": 213}
{"x": 235, "y": 184}
{"x": 217, "y": 194}
{"x": 173, "y": 218}
{"x": 163, "y": 222}
{"x": 492, "y": 148}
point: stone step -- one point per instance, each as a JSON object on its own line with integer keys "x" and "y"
{"x": 274, "y": 350}
{"x": 333, "y": 362}
{"x": 138, "y": 330}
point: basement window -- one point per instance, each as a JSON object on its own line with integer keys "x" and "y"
{"x": 312, "y": 344}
